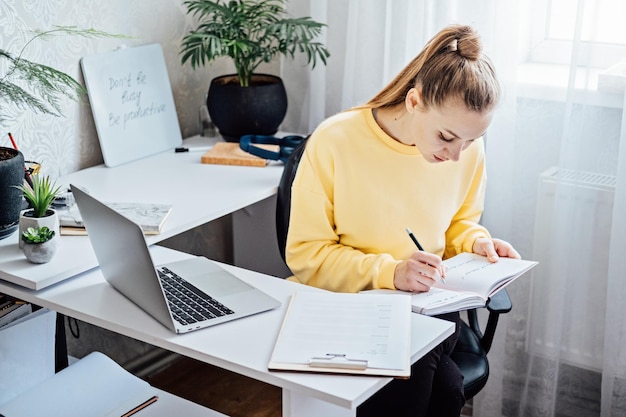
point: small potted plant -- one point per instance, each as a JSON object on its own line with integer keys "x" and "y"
{"x": 39, "y": 198}
{"x": 39, "y": 244}
{"x": 250, "y": 32}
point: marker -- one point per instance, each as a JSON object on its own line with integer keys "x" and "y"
{"x": 414, "y": 239}
{"x": 192, "y": 149}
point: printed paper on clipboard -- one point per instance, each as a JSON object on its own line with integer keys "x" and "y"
{"x": 345, "y": 333}
{"x": 132, "y": 103}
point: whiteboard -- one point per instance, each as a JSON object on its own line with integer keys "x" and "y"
{"x": 132, "y": 103}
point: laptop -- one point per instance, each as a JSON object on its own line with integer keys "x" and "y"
{"x": 214, "y": 295}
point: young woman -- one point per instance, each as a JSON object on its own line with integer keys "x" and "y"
{"x": 412, "y": 157}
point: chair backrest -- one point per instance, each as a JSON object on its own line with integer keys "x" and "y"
{"x": 283, "y": 197}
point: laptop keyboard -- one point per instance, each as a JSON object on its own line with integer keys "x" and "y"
{"x": 187, "y": 303}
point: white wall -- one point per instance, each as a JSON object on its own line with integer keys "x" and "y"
{"x": 69, "y": 143}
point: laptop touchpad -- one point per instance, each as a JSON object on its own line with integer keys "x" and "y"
{"x": 219, "y": 283}
{"x": 209, "y": 277}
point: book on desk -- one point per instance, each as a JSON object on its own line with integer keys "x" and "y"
{"x": 229, "y": 153}
{"x": 150, "y": 216}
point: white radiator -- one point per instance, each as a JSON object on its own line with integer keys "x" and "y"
{"x": 568, "y": 288}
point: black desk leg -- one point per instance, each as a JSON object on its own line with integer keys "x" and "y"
{"x": 60, "y": 351}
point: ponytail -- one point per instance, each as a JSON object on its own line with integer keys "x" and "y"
{"x": 451, "y": 66}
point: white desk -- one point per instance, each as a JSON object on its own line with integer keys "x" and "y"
{"x": 242, "y": 346}
{"x": 198, "y": 192}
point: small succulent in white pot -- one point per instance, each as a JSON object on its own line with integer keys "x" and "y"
{"x": 39, "y": 244}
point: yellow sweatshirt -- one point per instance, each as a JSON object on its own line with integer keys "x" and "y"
{"x": 357, "y": 190}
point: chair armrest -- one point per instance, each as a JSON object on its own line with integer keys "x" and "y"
{"x": 500, "y": 303}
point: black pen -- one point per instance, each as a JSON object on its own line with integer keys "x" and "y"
{"x": 414, "y": 239}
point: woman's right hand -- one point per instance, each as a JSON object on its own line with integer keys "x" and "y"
{"x": 418, "y": 273}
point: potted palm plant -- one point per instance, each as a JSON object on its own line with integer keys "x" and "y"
{"x": 38, "y": 88}
{"x": 39, "y": 244}
{"x": 250, "y": 32}
{"x": 39, "y": 198}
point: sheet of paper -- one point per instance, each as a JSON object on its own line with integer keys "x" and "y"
{"x": 26, "y": 353}
{"x": 370, "y": 327}
{"x": 472, "y": 272}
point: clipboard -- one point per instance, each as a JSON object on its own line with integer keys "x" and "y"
{"x": 345, "y": 333}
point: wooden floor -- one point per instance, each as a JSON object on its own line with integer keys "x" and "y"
{"x": 224, "y": 391}
{"x": 221, "y": 390}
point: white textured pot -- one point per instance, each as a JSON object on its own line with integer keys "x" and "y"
{"x": 40, "y": 253}
{"x": 26, "y": 221}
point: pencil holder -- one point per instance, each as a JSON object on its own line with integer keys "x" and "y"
{"x": 11, "y": 201}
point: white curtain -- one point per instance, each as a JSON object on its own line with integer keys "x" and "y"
{"x": 556, "y": 187}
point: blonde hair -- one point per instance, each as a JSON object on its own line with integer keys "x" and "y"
{"x": 451, "y": 66}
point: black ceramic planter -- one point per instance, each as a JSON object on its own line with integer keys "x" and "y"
{"x": 258, "y": 109}
{"x": 11, "y": 175}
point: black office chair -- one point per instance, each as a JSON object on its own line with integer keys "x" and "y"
{"x": 473, "y": 345}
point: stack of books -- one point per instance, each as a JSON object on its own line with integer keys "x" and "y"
{"x": 12, "y": 309}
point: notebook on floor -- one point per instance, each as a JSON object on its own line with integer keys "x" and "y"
{"x": 216, "y": 295}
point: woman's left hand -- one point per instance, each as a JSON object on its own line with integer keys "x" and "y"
{"x": 493, "y": 249}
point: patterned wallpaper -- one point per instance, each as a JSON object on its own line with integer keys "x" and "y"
{"x": 69, "y": 143}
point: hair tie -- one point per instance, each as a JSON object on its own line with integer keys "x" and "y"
{"x": 453, "y": 46}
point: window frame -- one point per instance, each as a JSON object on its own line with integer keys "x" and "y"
{"x": 543, "y": 50}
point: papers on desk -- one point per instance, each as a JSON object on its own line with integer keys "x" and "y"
{"x": 150, "y": 216}
{"x": 93, "y": 386}
{"x": 365, "y": 334}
